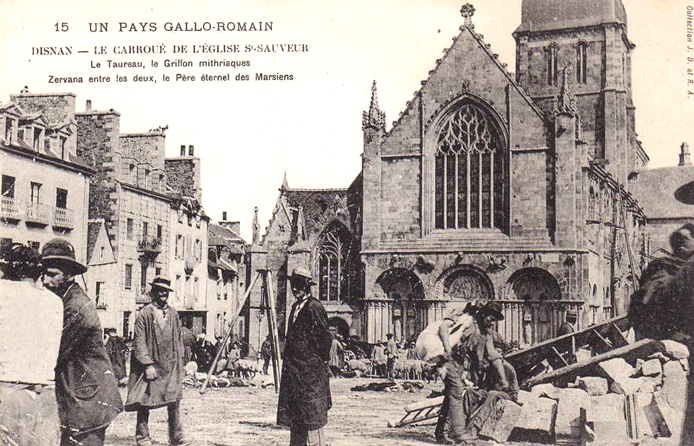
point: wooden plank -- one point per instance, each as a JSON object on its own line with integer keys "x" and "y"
{"x": 621, "y": 340}
{"x": 228, "y": 335}
{"x": 607, "y": 343}
{"x": 629, "y": 352}
{"x": 559, "y": 356}
{"x": 274, "y": 336}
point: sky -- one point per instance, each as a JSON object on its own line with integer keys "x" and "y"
{"x": 249, "y": 133}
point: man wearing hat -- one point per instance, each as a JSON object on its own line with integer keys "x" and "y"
{"x": 473, "y": 355}
{"x": 156, "y": 365}
{"x": 85, "y": 385}
{"x": 569, "y": 325}
{"x": 304, "y": 398}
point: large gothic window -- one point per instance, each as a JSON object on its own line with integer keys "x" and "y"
{"x": 470, "y": 172}
{"x": 333, "y": 265}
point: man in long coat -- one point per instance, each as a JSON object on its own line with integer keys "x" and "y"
{"x": 85, "y": 385}
{"x": 156, "y": 365}
{"x": 304, "y": 398}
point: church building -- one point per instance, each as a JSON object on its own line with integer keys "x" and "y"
{"x": 489, "y": 186}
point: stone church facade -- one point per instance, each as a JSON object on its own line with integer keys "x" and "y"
{"x": 488, "y": 186}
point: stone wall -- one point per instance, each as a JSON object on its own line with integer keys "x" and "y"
{"x": 183, "y": 176}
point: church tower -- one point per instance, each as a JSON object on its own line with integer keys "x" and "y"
{"x": 590, "y": 37}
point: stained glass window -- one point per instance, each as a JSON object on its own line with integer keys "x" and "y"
{"x": 470, "y": 172}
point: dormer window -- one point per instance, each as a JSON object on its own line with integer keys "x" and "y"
{"x": 37, "y": 139}
{"x": 9, "y": 130}
{"x": 63, "y": 147}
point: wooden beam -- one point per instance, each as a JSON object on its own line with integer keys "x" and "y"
{"x": 228, "y": 335}
{"x": 274, "y": 337}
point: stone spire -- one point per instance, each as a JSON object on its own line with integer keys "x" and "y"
{"x": 285, "y": 183}
{"x": 567, "y": 101}
{"x": 255, "y": 226}
{"x": 685, "y": 159}
{"x": 374, "y": 118}
{"x": 467, "y": 11}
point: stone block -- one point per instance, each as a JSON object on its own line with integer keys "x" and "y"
{"x": 675, "y": 350}
{"x": 504, "y": 418}
{"x": 546, "y": 390}
{"x": 615, "y": 369}
{"x": 658, "y": 355}
{"x": 606, "y": 417}
{"x": 671, "y": 417}
{"x": 626, "y": 386}
{"x": 537, "y": 416}
{"x": 652, "y": 367}
{"x": 571, "y": 401}
{"x": 593, "y": 385}
{"x": 675, "y": 385}
{"x": 641, "y": 402}
{"x": 647, "y": 387}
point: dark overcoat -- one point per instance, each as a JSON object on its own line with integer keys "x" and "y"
{"x": 156, "y": 342}
{"x": 85, "y": 386}
{"x": 304, "y": 398}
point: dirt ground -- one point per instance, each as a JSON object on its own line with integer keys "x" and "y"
{"x": 246, "y": 416}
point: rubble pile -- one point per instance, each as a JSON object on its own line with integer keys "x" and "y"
{"x": 390, "y": 386}
{"x": 618, "y": 404}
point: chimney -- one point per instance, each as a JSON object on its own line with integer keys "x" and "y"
{"x": 183, "y": 150}
{"x": 224, "y": 215}
{"x": 88, "y": 107}
{"x": 685, "y": 159}
{"x": 191, "y": 150}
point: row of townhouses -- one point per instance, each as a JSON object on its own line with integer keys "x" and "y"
{"x": 131, "y": 212}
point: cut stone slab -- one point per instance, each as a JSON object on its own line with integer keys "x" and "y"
{"x": 537, "y": 416}
{"x": 657, "y": 380}
{"x": 675, "y": 350}
{"x": 675, "y": 385}
{"x": 672, "y": 418}
{"x": 547, "y": 389}
{"x": 626, "y": 386}
{"x": 571, "y": 401}
{"x": 615, "y": 369}
{"x": 504, "y": 418}
{"x": 647, "y": 387}
{"x": 650, "y": 419}
{"x": 593, "y": 385}
{"x": 606, "y": 417}
{"x": 652, "y": 367}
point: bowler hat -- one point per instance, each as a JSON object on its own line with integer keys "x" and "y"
{"x": 60, "y": 252}
{"x": 162, "y": 282}
{"x": 572, "y": 313}
{"x": 302, "y": 274}
{"x": 494, "y": 309}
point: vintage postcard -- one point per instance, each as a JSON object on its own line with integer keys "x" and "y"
{"x": 318, "y": 222}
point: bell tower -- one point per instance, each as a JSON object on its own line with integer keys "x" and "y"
{"x": 590, "y": 37}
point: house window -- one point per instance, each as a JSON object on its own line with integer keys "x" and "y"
{"x": 143, "y": 278}
{"x": 133, "y": 174}
{"x": 128, "y": 277}
{"x": 47, "y": 144}
{"x": 61, "y": 198}
{"x": 332, "y": 264}
{"x": 581, "y": 62}
{"x": 179, "y": 285}
{"x": 8, "y": 183}
{"x": 145, "y": 229}
{"x": 196, "y": 289}
{"x": 160, "y": 229}
{"x": 470, "y": 172}
{"x": 130, "y": 228}
{"x": 35, "y": 193}
{"x": 552, "y": 64}
{"x": 99, "y": 294}
{"x": 157, "y": 271}
{"x": 102, "y": 250}
{"x": 179, "y": 246}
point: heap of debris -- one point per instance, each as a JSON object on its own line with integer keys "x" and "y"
{"x": 614, "y": 403}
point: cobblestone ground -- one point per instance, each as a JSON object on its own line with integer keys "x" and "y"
{"x": 245, "y": 416}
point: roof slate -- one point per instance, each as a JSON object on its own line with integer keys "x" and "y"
{"x": 655, "y": 191}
